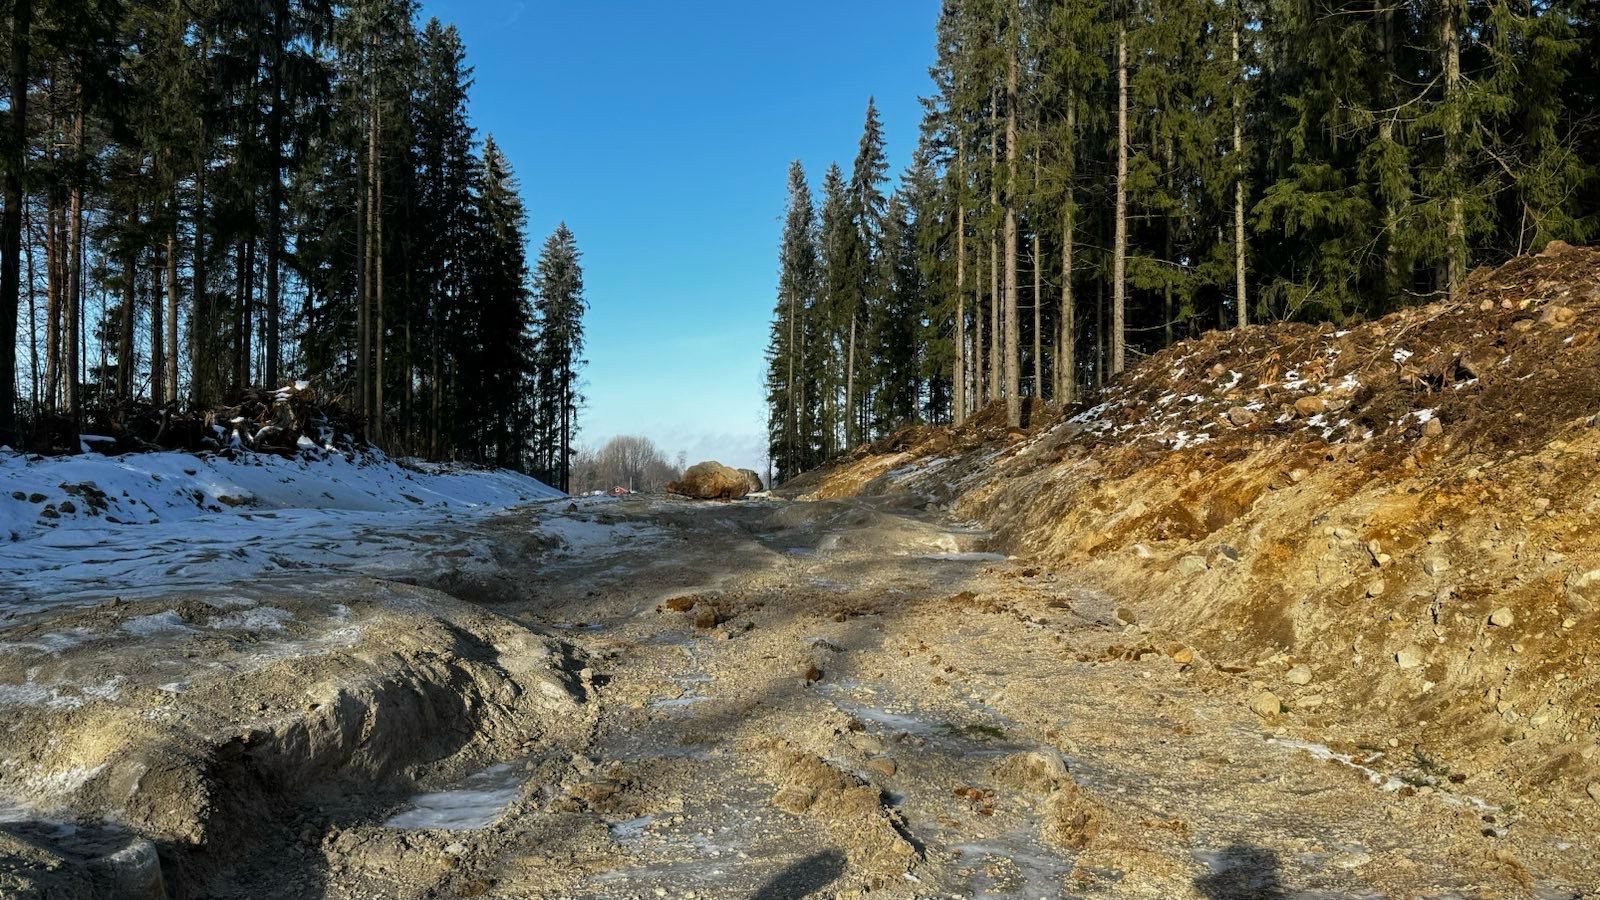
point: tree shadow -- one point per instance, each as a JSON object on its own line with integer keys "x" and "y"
{"x": 1242, "y": 872}
{"x": 803, "y": 878}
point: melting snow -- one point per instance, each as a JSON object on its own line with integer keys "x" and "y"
{"x": 478, "y": 803}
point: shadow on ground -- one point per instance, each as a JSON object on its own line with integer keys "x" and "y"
{"x": 1243, "y": 872}
{"x": 804, "y": 878}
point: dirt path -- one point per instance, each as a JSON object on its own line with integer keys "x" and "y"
{"x": 785, "y": 700}
{"x": 882, "y": 707}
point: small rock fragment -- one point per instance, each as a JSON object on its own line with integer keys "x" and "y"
{"x": 1409, "y": 658}
{"x": 1266, "y": 705}
{"x": 1502, "y": 618}
{"x": 1299, "y": 675}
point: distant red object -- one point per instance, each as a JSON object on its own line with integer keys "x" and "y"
{"x": 620, "y": 492}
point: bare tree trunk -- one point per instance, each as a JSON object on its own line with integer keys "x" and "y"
{"x": 202, "y": 364}
{"x": 172, "y": 301}
{"x": 850, "y": 387}
{"x": 958, "y": 402}
{"x": 1066, "y": 356}
{"x": 1241, "y": 297}
{"x": 1038, "y": 300}
{"x": 1013, "y": 360}
{"x": 979, "y": 370}
{"x": 158, "y": 355}
{"x": 11, "y": 224}
{"x": 53, "y": 289}
{"x": 1455, "y": 216}
{"x": 377, "y": 284}
{"x": 130, "y": 312}
{"x": 33, "y": 313}
{"x": 995, "y": 299}
{"x": 275, "y": 200}
{"x": 1119, "y": 251}
{"x": 74, "y": 248}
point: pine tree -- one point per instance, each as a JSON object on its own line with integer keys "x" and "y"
{"x": 560, "y": 305}
{"x": 786, "y": 353}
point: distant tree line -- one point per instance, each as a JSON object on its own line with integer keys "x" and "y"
{"x": 1096, "y": 179}
{"x": 626, "y": 461}
{"x": 201, "y": 196}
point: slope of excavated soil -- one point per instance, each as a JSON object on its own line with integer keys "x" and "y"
{"x": 1390, "y": 527}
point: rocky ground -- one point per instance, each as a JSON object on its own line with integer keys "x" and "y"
{"x": 766, "y": 699}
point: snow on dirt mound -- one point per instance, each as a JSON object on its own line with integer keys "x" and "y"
{"x": 98, "y": 525}
{"x": 40, "y": 494}
{"x": 1391, "y": 524}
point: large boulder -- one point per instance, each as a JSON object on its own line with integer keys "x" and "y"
{"x": 754, "y": 477}
{"x": 711, "y": 481}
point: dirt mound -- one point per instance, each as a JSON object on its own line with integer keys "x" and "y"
{"x": 711, "y": 481}
{"x": 1390, "y": 524}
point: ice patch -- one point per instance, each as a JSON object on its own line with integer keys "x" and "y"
{"x": 478, "y": 803}
{"x": 168, "y": 622}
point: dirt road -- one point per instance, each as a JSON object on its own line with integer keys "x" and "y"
{"x": 784, "y": 700}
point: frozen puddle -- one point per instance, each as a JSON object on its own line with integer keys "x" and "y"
{"x": 478, "y": 803}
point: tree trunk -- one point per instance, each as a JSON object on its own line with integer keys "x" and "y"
{"x": 158, "y": 354}
{"x": 979, "y": 381}
{"x": 995, "y": 300}
{"x": 33, "y": 312}
{"x": 130, "y": 311}
{"x": 1119, "y": 250}
{"x": 377, "y": 283}
{"x": 1013, "y": 361}
{"x": 275, "y": 199}
{"x": 850, "y": 387}
{"x": 73, "y": 317}
{"x": 958, "y": 402}
{"x": 1455, "y": 216}
{"x": 1240, "y": 296}
{"x": 202, "y": 365}
{"x": 172, "y": 302}
{"x": 1066, "y": 357}
{"x": 11, "y": 225}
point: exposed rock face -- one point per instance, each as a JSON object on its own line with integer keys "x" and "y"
{"x": 711, "y": 481}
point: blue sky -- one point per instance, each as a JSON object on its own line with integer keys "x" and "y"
{"x": 662, "y": 134}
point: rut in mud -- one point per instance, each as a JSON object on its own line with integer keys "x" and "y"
{"x": 765, "y": 700}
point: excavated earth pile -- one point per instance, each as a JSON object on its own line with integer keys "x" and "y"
{"x": 1387, "y": 529}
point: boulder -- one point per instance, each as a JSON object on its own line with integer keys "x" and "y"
{"x": 711, "y": 481}
{"x": 754, "y": 478}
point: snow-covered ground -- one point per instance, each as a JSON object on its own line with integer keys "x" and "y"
{"x": 91, "y": 524}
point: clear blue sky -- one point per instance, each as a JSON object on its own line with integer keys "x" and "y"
{"x": 662, "y": 134}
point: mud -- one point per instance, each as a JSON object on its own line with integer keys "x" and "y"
{"x": 884, "y": 706}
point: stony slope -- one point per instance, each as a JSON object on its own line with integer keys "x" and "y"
{"x": 1388, "y": 527}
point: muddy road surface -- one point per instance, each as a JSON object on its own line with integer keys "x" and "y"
{"x": 755, "y": 700}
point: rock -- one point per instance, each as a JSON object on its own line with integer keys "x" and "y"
{"x": 1579, "y": 605}
{"x": 1432, "y": 428}
{"x": 1409, "y": 658}
{"x": 1192, "y": 565}
{"x": 1241, "y": 416}
{"x": 455, "y": 848}
{"x": 1433, "y": 567}
{"x": 1183, "y": 655}
{"x": 1594, "y": 791}
{"x": 1310, "y": 406}
{"x": 1034, "y": 771}
{"x": 813, "y": 674}
{"x": 705, "y": 616}
{"x": 681, "y": 604}
{"x": 711, "y": 481}
{"x": 1266, "y": 705}
{"x": 1225, "y": 551}
{"x": 1376, "y": 587}
{"x": 1558, "y": 316}
{"x": 1502, "y": 618}
{"x": 1126, "y": 616}
{"x": 1310, "y": 702}
{"x": 754, "y": 480}
{"x": 883, "y": 766}
{"x": 1299, "y": 675}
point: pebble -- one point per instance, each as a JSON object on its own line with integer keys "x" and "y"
{"x": 1299, "y": 675}
{"x": 1594, "y": 791}
{"x": 1502, "y": 618}
{"x": 1409, "y": 658}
